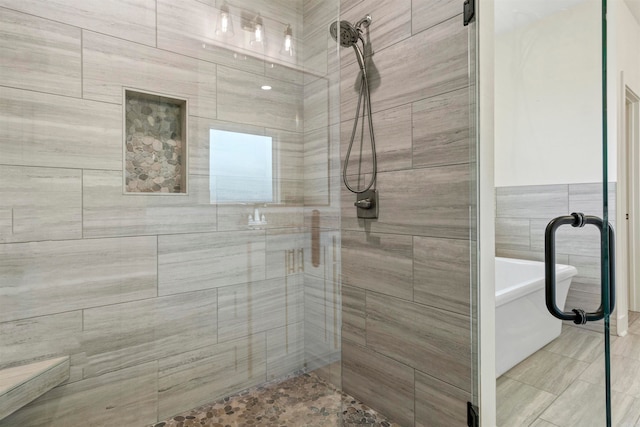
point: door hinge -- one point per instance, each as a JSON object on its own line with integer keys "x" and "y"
{"x": 473, "y": 416}
{"x": 469, "y": 10}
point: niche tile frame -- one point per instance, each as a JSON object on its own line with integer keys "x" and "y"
{"x": 183, "y": 103}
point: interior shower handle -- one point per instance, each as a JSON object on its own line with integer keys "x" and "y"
{"x": 578, "y": 316}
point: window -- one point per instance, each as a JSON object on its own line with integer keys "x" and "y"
{"x": 241, "y": 167}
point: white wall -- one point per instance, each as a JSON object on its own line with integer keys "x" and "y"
{"x": 628, "y": 46}
{"x": 548, "y": 100}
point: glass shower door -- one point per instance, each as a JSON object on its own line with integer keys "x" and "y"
{"x": 555, "y": 177}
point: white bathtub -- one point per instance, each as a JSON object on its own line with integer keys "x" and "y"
{"x": 523, "y": 324}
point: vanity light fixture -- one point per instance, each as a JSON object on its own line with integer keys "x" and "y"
{"x": 224, "y": 25}
{"x": 287, "y": 45}
{"x": 253, "y": 23}
{"x": 258, "y": 36}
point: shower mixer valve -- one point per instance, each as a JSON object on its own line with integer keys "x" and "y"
{"x": 367, "y": 204}
{"x": 363, "y": 204}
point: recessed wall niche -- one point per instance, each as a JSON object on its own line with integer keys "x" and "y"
{"x": 155, "y": 144}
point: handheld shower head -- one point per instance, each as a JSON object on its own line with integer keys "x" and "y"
{"x": 349, "y": 35}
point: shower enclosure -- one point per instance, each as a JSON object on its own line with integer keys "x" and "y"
{"x": 173, "y": 224}
{"x": 563, "y": 191}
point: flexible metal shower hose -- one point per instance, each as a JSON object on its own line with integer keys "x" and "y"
{"x": 364, "y": 93}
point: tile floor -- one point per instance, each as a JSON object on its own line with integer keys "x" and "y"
{"x": 303, "y": 400}
{"x": 562, "y": 384}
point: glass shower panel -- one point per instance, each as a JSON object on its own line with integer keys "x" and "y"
{"x": 164, "y": 301}
{"x": 474, "y": 203}
{"x": 551, "y": 161}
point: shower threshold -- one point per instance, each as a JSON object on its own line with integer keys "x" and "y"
{"x": 301, "y": 400}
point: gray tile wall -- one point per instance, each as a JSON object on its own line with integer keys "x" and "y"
{"x": 406, "y": 338}
{"x": 522, "y": 214}
{"x": 162, "y": 303}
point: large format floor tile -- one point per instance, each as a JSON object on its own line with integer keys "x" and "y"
{"x": 520, "y": 404}
{"x": 625, "y": 374}
{"x": 579, "y": 396}
{"x": 548, "y": 371}
{"x": 578, "y": 343}
{"x": 583, "y": 405}
{"x": 628, "y": 347}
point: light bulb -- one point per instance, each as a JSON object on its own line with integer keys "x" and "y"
{"x": 257, "y": 37}
{"x": 225, "y": 22}
{"x": 258, "y": 33}
{"x": 287, "y": 45}
{"x": 224, "y": 26}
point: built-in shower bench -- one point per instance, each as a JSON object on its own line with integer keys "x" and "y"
{"x": 22, "y": 384}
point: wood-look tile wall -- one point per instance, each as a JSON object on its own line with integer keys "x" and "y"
{"x": 406, "y": 335}
{"x": 522, "y": 214}
{"x": 162, "y": 303}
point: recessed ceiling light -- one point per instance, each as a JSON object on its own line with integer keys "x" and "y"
{"x": 265, "y": 87}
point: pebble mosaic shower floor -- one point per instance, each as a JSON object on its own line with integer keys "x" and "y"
{"x": 304, "y": 400}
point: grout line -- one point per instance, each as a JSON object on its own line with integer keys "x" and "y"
{"x": 217, "y": 316}
{"x": 157, "y": 390}
{"x": 158, "y": 266}
{"x": 83, "y": 309}
{"x": 287, "y": 65}
{"x": 82, "y": 64}
{"x": 156, "y": 26}
{"x": 411, "y": 22}
{"x": 59, "y": 167}
{"x": 366, "y": 343}
{"x": 39, "y": 316}
{"x": 408, "y": 104}
{"x": 266, "y": 353}
{"x": 69, "y": 25}
{"x": 411, "y": 112}
{"x": 413, "y": 268}
{"x": 82, "y": 203}
{"x": 49, "y": 93}
{"x": 415, "y": 399}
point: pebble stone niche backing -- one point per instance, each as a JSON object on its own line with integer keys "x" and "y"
{"x": 155, "y": 143}
{"x": 302, "y": 400}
